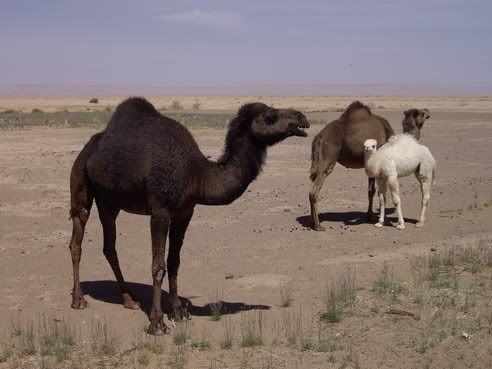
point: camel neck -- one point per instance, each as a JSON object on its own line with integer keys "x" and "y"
{"x": 367, "y": 164}
{"x": 227, "y": 178}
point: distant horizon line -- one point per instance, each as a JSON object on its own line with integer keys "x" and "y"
{"x": 243, "y": 89}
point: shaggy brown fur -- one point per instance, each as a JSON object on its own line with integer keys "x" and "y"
{"x": 414, "y": 121}
{"x": 342, "y": 141}
{"x": 146, "y": 163}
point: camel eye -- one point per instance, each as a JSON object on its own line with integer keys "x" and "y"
{"x": 270, "y": 117}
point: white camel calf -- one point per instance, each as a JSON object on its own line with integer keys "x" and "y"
{"x": 401, "y": 156}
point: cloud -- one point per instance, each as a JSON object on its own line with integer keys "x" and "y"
{"x": 217, "y": 19}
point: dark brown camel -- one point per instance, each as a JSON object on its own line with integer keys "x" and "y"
{"x": 342, "y": 141}
{"x": 414, "y": 121}
{"x": 146, "y": 163}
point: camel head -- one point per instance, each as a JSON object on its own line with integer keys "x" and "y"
{"x": 267, "y": 125}
{"x": 370, "y": 146}
{"x": 418, "y": 115}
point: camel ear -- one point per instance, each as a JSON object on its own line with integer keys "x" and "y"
{"x": 406, "y": 112}
{"x": 248, "y": 112}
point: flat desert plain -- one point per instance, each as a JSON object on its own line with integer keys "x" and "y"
{"x": 306, "y": 103}
{"x": 263, "y": 289}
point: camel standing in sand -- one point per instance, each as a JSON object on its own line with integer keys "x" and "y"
{"x": 342, "y": 141}
{"x": 401, "y": 156}
{"x": 149, "y": 164}
{"x": 414, "y": 121}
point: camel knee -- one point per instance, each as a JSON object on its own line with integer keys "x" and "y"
{"x": 77, "y": 231}
{"x": 313, "y": 197}
{"x": 84, "y": 215}
{"x": 80, "y": 213}
{"x": 75, "y": 247}
{"x": 159, "y": 274}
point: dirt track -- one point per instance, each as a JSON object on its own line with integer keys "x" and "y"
{"x": 262, "y": 239}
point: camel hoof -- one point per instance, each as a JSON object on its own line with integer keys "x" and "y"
{"x": 369, "y": 216}
{"x": 80, "y": 304}
{"x": 378, "y": 224}
{"x": 400, "y": 226}
{"x": 319, "y": 228}
{"x": 129, "y": 303}
{"x": 179, "y": 314}
{"x": 158, "y": 329}
{"x": 419, "y": 225}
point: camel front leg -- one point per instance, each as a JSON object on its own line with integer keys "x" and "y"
{"x": 425, "y": 189}
{"x": 382, "y": 187}
{"x": 179, "y": 224}
{"x": 395, "y": 195}
{"x": 371, "y": 190}
{"x": 159, "y": 226}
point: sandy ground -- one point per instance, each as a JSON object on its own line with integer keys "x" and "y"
{"x": 309, "y": 103}
{"x": 261, "y": 240}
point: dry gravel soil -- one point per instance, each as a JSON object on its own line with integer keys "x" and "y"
{"x": 245, "y": 253}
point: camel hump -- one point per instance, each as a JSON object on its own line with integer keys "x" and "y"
{"x": 356, "y": 110}
{"x": 387, "y": 127}
{"x": 136, "y": 105}
{"x": 132, "y": 114}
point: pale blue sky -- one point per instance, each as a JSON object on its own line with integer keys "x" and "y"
{"x": 190, "y": 42}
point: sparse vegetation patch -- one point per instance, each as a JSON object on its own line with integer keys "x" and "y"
{"x": 339, "y": 298}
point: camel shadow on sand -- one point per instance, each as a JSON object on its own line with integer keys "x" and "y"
{"x": 349, "y": 218}
{"x": 108, "y": 291}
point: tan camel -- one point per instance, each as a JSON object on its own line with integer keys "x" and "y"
{"x": 342, "y": 141}
{"x": 414, "y": 121}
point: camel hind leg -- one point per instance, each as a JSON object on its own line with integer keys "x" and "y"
{"x": 395, "y": 195}
{"x": 81, "y": 199}
{"x": 318, "y": 181}
{"x": 371, "y": 190}
{"x": 425, "y": 185}
{"x": 382, "y": 187}
{"x": 81, "y": 204}
{"x": 107, "y": 216}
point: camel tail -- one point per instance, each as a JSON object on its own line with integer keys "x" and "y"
{"x": 81, "y": 196}
{"x": 315, "y": 158}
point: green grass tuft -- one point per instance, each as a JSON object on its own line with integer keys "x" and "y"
{"x": 181, "y": 333}
{"x": 339, "y": 298}
{"x": 387, "y": 284}
{"x": 103, "y": 341}
{"x": 252, "y": 329}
